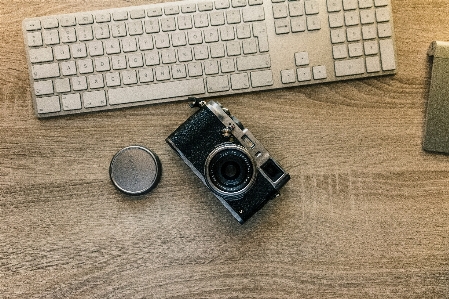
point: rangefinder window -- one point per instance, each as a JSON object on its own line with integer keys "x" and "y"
{"x": 272, "y": 170}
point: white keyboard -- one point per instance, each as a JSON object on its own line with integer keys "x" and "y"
{"x": 130, "y": 56}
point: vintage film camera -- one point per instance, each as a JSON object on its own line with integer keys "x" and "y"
{"x": 229, "y": 160}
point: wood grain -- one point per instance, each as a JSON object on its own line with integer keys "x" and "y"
{"x": 365, "y": 215}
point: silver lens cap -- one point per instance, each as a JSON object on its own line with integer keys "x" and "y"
{"x": 135, "y": 170}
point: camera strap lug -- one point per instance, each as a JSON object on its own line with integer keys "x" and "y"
{"x": 196, "y": 102}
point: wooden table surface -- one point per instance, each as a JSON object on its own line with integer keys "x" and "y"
{"x": 365, "y": 214}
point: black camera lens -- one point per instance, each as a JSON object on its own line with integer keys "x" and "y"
{"x": 230, "y": 170}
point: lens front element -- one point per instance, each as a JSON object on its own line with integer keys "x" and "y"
{"x": 230, "y": 170}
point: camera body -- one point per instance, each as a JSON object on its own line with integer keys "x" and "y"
{"x": 228, "y": 159}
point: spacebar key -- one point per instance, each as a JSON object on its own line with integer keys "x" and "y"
{"x": 157, "y": 91}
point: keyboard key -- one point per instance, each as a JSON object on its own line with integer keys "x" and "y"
{"x": 96, "y": 81}
{"x": 373, "y": 64}
{"x": 288, "y": 76}
{"x": 162, "y": 73}
{"x": 233, "y": 16}
{"x": 211, "y": 67}
{"x": 118, "y": 62}
{"x": 301, "y": 58}
{"x": 334, "y": 5}
{"x": 43, "y": 87}
{"x": 67, "y": 21}
{"x": 383, "y": 14}
{"x": 102, "y": 64}
{"x": 371, "y": 48}
{"x": 353, "y": 34}
{"x": 84, "y": 33}
{"x": 71, "y": 101}
{"x": 79, "y": 83}
{"x": 312, "y": 7}
{"x": 295, "y": 9}
{"x": 112, "y": 46}
{"x": 365, "y": 3}
{"x": 222, "y": 4}
{"x": 253, "y": 62}
{"x": 102, "y": 31}
{"x": 384, "y": 30}
{"x": 239, "y": 81}
{"x": 185, "y": 22}
{"x": 185, "y": 54}
{"x": 34, "y": 39}
{"x": 350, "y": 4}
{"x": 319, "y": 72}
{"x": 280, "y": 10}
{"x": 156, "y": 91}
{"x": 137, "y": 14}
{"x": 298, "y": 24}
{"x": 172, "y": 10}
{"x": 43, "y": 71}
{"x": 113, "y": 79}
{"x": 135, "y": 28}
{"x": 313, "y": 23}
{"x": 195, "y": 69}
{"x": 85, "y": 19}
{"x": 260, "y": 32}
{"x": 387, "y": 54}
{"x": 355, "y": 50}
{"x": 135, "y": 60}
{"x": 146, "y": 75}
{"x": 152, "y": 26}
{"x": 62, "y": 52}
{"x": 238, "y": 3}
{"x": 33, "y": 25}
{"x": 205, "y": 6}
{"x": 217, "y": 83}
{"x": 129, "y": 44}
{"x": 340, "y": 51}
{"x": 50, "y": 23}
{"x": 94, "y": 99}
{"x": 168, "y": 24}
{"x": 62, "y": 85}
{"x": 78, "y": 50}
{"x": 369, "y": 32}
{"x": 129, "y": 77}
{"x": 146, "y": 42}
{"x": 41, "y": 55}
{"x": 48, "y": 104}
{"x": 217, "y": 18}
{"x": 349, "y": 67}
{"x": 227, "y": 65}
{"x": 336, "y": 20}
{"x": 178, "y": 71}
{"x": 154, "y": 12}
{"x": 243, "y": 31}
{"x": 103, "y": 17}
{"x": 190, "y": 7}
{"x": 234, "y": 48}
{"x": 253, "y": 13}
{"x": 85, "y": 66}
{"x": 68, "y": 68}
{"x": 381, "y": 2}
{"x": 261, "y": 78}
{"x": 120, "y": 16}
{"x": 352, "y": 18}
{"x": 367, "y": 17}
